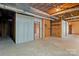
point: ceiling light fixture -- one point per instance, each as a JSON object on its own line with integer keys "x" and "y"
{"x": 57, "y": 9}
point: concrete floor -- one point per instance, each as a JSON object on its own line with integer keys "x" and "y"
{"x": 49, "y": 47}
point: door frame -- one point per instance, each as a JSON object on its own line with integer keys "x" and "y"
{"x": 70, "y": 29}
{"x": 34, "y": 29}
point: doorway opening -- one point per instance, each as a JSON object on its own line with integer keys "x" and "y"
{"x": 7, "y": 25}
{"x": 70, "y": 29}
{"x": 37, "y": 30}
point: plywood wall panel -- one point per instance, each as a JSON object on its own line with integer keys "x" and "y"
{"x": 56, "y": 29}
{"x": 47, "y": 28}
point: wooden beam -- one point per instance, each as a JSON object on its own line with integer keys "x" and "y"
{"x": 62, "y": 7}
{"x": 74, "y": 17}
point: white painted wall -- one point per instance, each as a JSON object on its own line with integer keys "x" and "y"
{"x": 24, "y": 28}
{"x": 64, "y": 29}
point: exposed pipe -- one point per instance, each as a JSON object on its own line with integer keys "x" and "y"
{"x": 20, "y": 11}
{"x": 54, "y": 17}
{"x": 38, "y": 11}
{"x": 66, "y": 11}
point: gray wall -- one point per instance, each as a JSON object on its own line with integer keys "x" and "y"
{"x": 24, "y": 28}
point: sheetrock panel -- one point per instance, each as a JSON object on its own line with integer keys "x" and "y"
{"x": 24, "y": 28}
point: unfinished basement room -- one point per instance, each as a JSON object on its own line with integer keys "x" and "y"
{"x": 39, "y": 29}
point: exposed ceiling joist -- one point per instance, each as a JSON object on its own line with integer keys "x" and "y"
{"x": 73, "y": 17}
{"x": 62, "y": 7}
{"x": 44, "y": 6}
{"x": 38, "y": 11}
{"x": 66, "y": 11}
{"x": 32, "y": 11}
